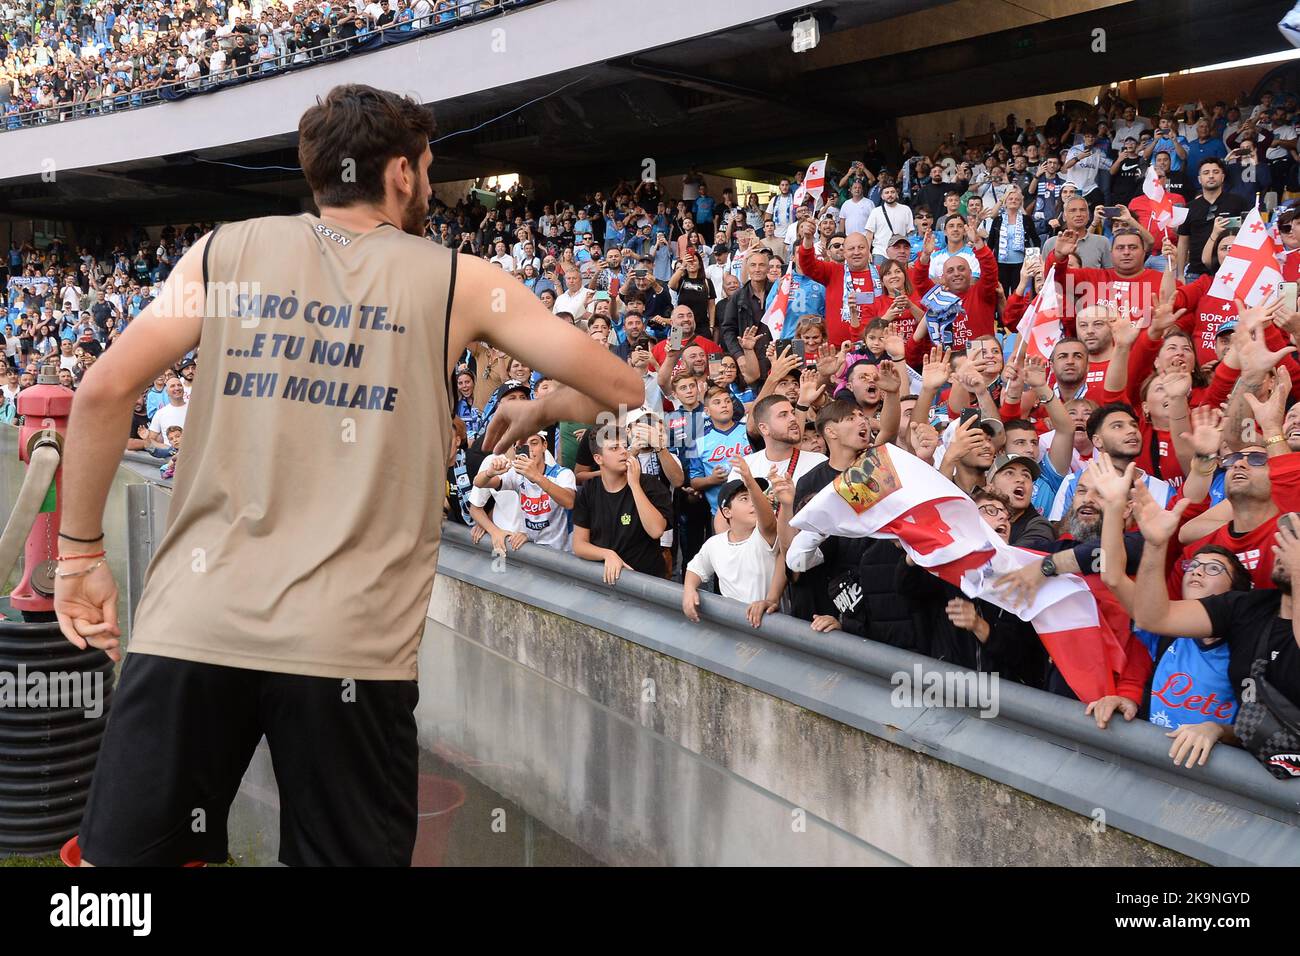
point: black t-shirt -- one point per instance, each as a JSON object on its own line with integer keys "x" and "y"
{"x": 1126, "y": 182}
{"x": 819, "y": 589}
{"x": 1243, "y": 618}
{"x": 613, "y": 522}
{"x": 1200, "y": 221}
{"x": 241, "y": 56}
{"x": 697, "y": 293}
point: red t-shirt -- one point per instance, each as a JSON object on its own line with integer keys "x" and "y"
{"x": 904, "y": 325}
{"x": 1140, "y": 206}
{"x": 1088, "y": 287}
{"x": 866, "y": 287}
{"x": 1254, "y": 550}
{"x": 1096, "y": 380}
{"x": 710, "y": 347}
{"x": 1162, "y": 449}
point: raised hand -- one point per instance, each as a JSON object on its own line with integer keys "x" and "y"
{"x": 937, "y": 369}
{"x": 781, "y": 487}
{"x": 1035, "y": 371}
{"x": 964, "y": 439}
{"x": 1163, "y": 316}
{"x": 1066, "y": 243}
{"x": 1271, "y": 413}
{"x": 811, "y": 387}
{"x": 924, "y": 439}
{"x": 1157, "y": 524}
{"x": 749, "y": 338}
{"x": 1124, "y": 332}
{"x": 1206, "y": 435}
{"x": 1254, "y": 317}
{"x": 894, "y": 345}
{"x": 1112, "y": 487}
{"x": 1177, "y": 384}
{"x": 784, "y": 364}
{"x": 888, "y": 379}
{"x": 741, "y": 467}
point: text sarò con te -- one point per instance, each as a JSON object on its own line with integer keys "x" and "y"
{"x": 314, "y": 391}
{"x": 282, "y": 345}
{"x": 315, "y": 312}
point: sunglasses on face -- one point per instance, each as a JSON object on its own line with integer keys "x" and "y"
{"x": 1211, "y": 568}
{"x": 1256, "y": 459}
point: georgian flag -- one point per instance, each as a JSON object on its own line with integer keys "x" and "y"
{"x": 1250, "y": 271}
{"x": 1168, "y": 216}
{"x": 775, "y": 316}
{"x": 1040, "y": 327}
{"x": 814, "y": 183}
{"x": 890, "y": 494}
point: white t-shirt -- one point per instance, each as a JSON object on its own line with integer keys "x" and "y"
{"x": 523, "y": 506}
{"x": 505, "y": 262}
{"x": 759, "y": 465}
{"x": 883, "y": 223}
{"x": 574, "y": 303}
{"x": 1283, "y": 132}
{"x": 939, "y": 258}
{"x": 1123, "y": 130}
{"x": 1084, "y": 173}
{"x": 167, "y": 416}
{"x": 716, "y": 273}
{"x": 854, "y": 214}
{"x": 744, "y": 569}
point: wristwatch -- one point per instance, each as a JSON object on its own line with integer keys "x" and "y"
{"x": 1048, "y": 567}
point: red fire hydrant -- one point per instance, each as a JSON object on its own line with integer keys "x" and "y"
{"x": 45, "y": 408}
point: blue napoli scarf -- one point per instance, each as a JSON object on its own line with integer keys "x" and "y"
{"x": 942, "y": 309}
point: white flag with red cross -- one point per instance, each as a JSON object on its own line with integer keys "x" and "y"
{"x": 814, "y": 183}
{"x": 1251, "y": 270}
{"x": 1167, "y": 215}
{"x": 774, "y": 317}
{"x": 1040, "y": 326}
{"x": 892, "y": 495}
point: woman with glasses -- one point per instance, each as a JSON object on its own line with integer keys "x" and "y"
{"x": 1191, "y": 693}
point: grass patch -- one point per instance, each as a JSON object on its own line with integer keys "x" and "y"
{"x": 51, "y": 860}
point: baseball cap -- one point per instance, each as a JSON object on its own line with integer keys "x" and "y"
{"x": 1003, "y": 460}
{"x": 895, "y": 239}
{"x": 735, "y": 487}
{"x": 513, "y": 385}
{"x": 1227, "y": 328}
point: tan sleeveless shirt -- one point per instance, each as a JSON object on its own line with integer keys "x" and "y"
{"x": 307, "y": 508}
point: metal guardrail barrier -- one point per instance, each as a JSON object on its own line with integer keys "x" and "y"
{"x": 334, "y": 49}
{"x": 1229, "y": 812}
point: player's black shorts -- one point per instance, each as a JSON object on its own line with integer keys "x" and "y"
{"x": 181, "y": 735}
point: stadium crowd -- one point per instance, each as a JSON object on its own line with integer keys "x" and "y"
{"x": 95, "y": 56}
{"x": 1150, "y": 442}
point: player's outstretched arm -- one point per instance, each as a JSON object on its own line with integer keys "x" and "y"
{"x": 494, "y": 307}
